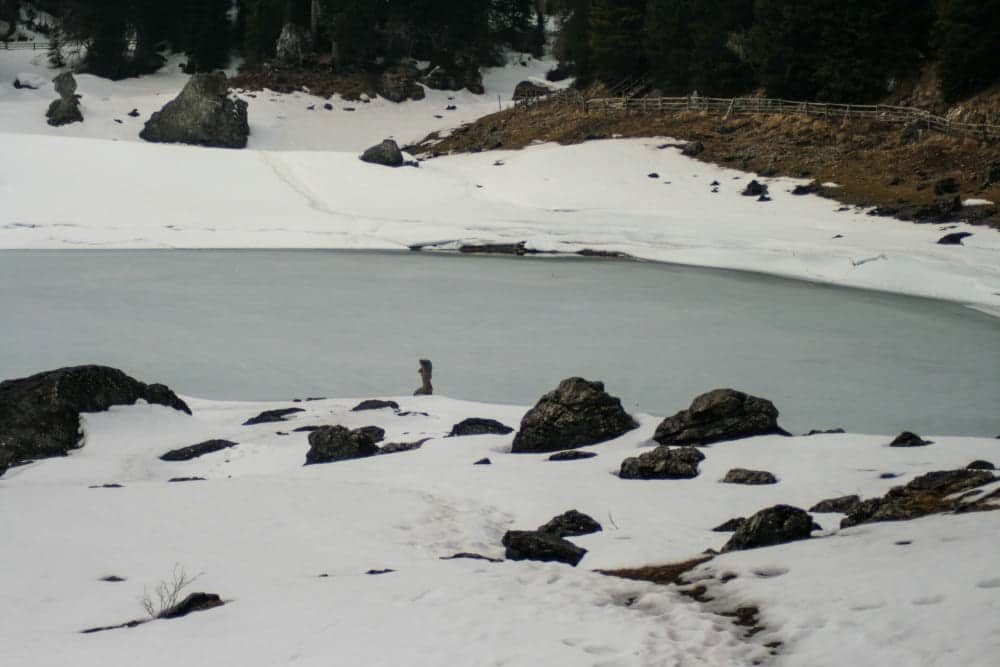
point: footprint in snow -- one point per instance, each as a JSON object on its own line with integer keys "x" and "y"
{"x": 928, "y": 600}
{"x": 989, "y": 583}
{"x": 770, "y": 572}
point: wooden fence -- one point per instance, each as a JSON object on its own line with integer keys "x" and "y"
{"x": 24, "y": 46}
{"x": 750, "y": 106}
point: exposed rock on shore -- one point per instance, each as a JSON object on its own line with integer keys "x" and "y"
{"x": 721, "y": 414}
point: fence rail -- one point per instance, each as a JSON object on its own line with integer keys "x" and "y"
{"x": 24, "y": 46}
{"x": 749, "y": 106}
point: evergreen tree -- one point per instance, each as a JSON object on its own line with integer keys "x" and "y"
{"x": 572, "y": 45}
{"x": 969, "y": 36}
{"x": 615, "y": 38}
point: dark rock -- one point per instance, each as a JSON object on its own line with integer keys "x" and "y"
{"x": 534, "y": 545}
{"x": 203, "y": 114}
{"x": 479, "y": 426}
{"x": 186, "y": 479}
{"x": 980, "y": 464}
{"x": 66, "y": 109}
{"x": 386, "y": 153}
{"x": 763, "y": 197}
{"x": 399, "y": 83}
{"x": 662, "y": 463}
{"x": 752, "y": 477}
{"x": 529, "y": 90}
{"x": 294, "y": 45}
{"x": 924, "y": 495}
{"x": 383, "y": 571}
{"x": 888, "y": 475}
{"x": 839, "y": 505}
{"x": 955, "y": 238}
{"x": 470, "y": 556}
{"x": 754, "y": 189}
{"x": 337, "y": 443}
{"x": 991, "y": 175}
{"x": 194, "y": 451}
{"x": 106, "y": 486}
{"x": 652, "y": 174}
{"x": 134, "y": 113}
{"x": 113, "y": 579}
{"x": 576, "y": 413}
{"x": 828, "y": 431}
{"x": 572, "y": 455}
{"x": 721, "y": 414}
{"x": 271, "y": 416}
{"x": 942, "y": 209}
{"x": 809, "y": 189}
{"x": 483, "y": 462}
{"x": 193, "y": 602}
{"x": 907, "y": 439}
{"x": 570, "y": 524}
{"x": 396, "y": 447}
{"x": 693, "y": 148}
{"x": 774, "y": 525}
{"x": 730, "y": 526}
{"x": 946, "y": 186}
{"x": 328, "y": 106}
{"x": 455, "y": 78}
{"x": 305, "y": 429}
{"x": 373, "y": 433}
{"x": 40, "y": 415}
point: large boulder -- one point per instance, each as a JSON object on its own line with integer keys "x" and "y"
{"x": 338, "y": 443}
{"x": 662, "y": 463}
{"x": 571, "y": 524}
{"x": 399, "y": 83}
{"x": 203, "y": 114}
{"x": 721, "y": 414}
{"x": 774, "y": 525}
{"x": 386, "y": 153}
{"x": 479, "y": 426}
{"x": 536, "y": 545}
{"x": 455, "y": 78}
{"x": 294, "y": 45}
{"x": 40, "y": 415}
{"x": 66, "y": 109}
{"x": 528, "y": 90}
{"x": 752, "y": 477}
{"x": 576, "y": 413}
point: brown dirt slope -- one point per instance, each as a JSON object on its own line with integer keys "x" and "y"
{"x": 876, "y": 164}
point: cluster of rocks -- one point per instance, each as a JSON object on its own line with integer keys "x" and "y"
{"x": 547, "y": 542}
{"x": 40, "y": 414}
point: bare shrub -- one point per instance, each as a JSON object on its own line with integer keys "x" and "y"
{"x": 167, "y": 593}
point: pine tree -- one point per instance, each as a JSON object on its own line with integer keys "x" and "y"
{"x": 615, "y": 38}
{"x": 969, "y": 36}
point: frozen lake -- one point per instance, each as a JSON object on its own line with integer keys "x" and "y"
{"x": 283, "y": 324}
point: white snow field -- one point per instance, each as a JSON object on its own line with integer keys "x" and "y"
{"x": 288, "y": 547}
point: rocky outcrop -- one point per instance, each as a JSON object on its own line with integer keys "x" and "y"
{"x": 721, "y": 414}
{"x": 535, "y": 545}
{"x": 374, "y": 404}
{"x": 194, "y": 451}
{"x": 908, "y": 439}
{"x": 203, "y": 114}
{"x": 294, "y": 46}
{"x": 66, "y": 109}
{"x": 730, "y": 525}
{"x": 926, "y": 494}
{"x": 40, "y": 415}
{"x": 479, "y": 426}
{"x": 570, "y": 524}
{"x": 839, "y": 505}
{"x": 399, "y": 83}
{"x": 774, "y": 525}
{"x": 752, "y": 477}
{"x": 576, "y": 413}
{"x": 272, "y": 416}
{"x": 528, "y": 90}
{"x": 386, "y": 153}
{"x": 663, "y": 463}
{"x": 338, "y": 443}
{"x": 754, "y": 189}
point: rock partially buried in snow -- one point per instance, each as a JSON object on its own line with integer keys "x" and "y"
{"x": 572, "y": 455}
{"x": 721, "y": 414}
{"x": 570, "y": 524}
{"x": 751, "y": 477}
{"x": 535, "y": 545}
{"x": 774, "y": 525}
{"x": 908, "y": 439}
{"x": 193, "y": 602}
{"x": 203, "y": 114}
{"x": 375, "y": 404}
{"x": 576, "y": 413}
{"x": 272, "y": 416}
{"x": 927, "y": 494}
{"x": 194, "y": 451}
{"x": 663, "y": 463}
{"x": 841, "y": 505}
{"x": 338, "y": 443}
{"x": 386, "y": 153}
{"x": 754, "y": 189}
{"x": 40, "y": 414}
{"x": 479, "y": 426}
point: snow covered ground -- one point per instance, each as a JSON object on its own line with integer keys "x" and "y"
{"x": 289, "y": 547}
{"x": 262, "y": 531}
{"x": 299, "y": 184}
